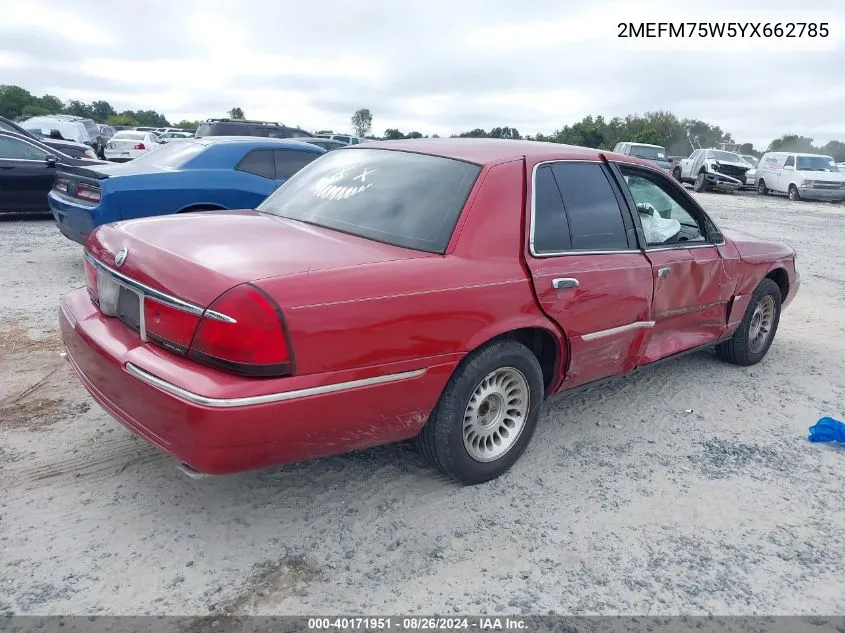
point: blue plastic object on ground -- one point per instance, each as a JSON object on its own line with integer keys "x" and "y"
{"x": 827, "y": 430}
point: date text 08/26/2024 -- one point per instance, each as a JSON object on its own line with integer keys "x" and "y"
{"x": 419, "y": 623}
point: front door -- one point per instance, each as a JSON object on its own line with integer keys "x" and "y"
{"x": 691, "y": 287}
{"x": 25, "y": 176}
{"x": 588, "y": 274}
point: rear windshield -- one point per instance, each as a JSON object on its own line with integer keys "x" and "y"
{"x": 649, "y": 153}
{"x": 91, "y": 127}
{"x": 135, "y": 136}
{"x": 170, "y": 156}
{"x": 404, "y": 199}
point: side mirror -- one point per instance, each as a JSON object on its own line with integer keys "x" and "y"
{"x": 716, "y": 237}
{"x": 788, "y": 167}
{"x": 51, "y": 160}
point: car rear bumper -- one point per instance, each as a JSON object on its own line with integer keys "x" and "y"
{"x": 217, "y": 423}
{"x": 75, "y": 221}
{"x": 828, "y": 195}
{"x": 122, "y": 156}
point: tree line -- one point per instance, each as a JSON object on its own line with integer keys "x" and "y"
{"x": 657, "y": 128}
{"x": 18, "y": 103}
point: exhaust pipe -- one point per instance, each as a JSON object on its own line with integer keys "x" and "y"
{"x": 190, "y": 472}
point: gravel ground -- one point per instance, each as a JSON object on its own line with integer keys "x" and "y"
{"x": 689, "y": 488}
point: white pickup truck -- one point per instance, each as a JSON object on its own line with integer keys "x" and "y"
{"x": 712, "y": 169}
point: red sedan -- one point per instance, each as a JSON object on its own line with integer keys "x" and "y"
{"x": 438, "y": 289}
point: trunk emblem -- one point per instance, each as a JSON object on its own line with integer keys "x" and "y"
{"x": 121, "y": 256}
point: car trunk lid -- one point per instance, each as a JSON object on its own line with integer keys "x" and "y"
{"x": 198, "y": 256}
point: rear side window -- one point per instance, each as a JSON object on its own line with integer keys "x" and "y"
{"x": 258, "y": 162}
{"x": 292, "y": 133}
{"x": 551, "y": 228}
{"x": 290, "y": 161}
{"x": 258, "y": 130}
{"x": 204, "y": 129}
{"x": 13, "y": 148}
{"x": 592, "y": 209}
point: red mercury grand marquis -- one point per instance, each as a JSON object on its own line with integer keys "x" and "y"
{"x": 438, "y": 289}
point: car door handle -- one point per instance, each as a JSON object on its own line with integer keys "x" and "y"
{"x": 664, "y": 272}
{"x": 564, "y": 282}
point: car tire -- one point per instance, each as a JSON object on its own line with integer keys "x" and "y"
{"x": 793, "y": 193}
{"x": 676, "y": 174}
{"x": 700, "y": 183}
{"x": 750, "y": 343}
{"x": 762, "y": 190}
{"x": 496, "y": 392}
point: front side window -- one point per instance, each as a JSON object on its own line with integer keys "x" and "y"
{"x": 400, "y": 198}
{"x": 16, "y": 149}
{"x": 790, "y": 162}
{"x": 592, "y": 209}
{"x": 662, "y": 211}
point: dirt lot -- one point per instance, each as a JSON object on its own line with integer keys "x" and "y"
{"x": 689, "y": 488}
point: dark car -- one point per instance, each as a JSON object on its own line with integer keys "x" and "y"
{"x": 242, "y": 127}
{"x": 68, "y": 148}
{"x": 27, "y": 169}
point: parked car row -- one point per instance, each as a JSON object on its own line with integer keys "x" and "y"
{"x": 798, "y": 175}
{"x": 436, "y": 289}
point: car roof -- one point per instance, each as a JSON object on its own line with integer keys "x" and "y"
{"x": 491, "y": 150}
{"x": 644, "y": 144}
{"x": 253, "y": 140}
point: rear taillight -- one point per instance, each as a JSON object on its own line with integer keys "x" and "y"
{"x": 170, "y": 327}
{"x": 60, "y": 184}
{"x": 140, "y": 146}
{"x": 91, "y": 281}
{"x": 243, "y": 332}
{"x": 88, "y": 192}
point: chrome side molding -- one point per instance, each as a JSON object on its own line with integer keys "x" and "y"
{"x": 223, "y": 403}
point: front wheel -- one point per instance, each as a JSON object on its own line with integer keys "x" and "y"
{"x": 756, "y": 332}
{"x": 486, "y": 415}
{"x": 793, "y": 193}
{"x": 700, "y": 183}
{"x": 677, "y": 174}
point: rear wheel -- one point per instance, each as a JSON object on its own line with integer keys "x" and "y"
{"x": 486, "y": 415}
{"x": 761, "y": 187}
{"x": 700, "y": 183}
{"x": 793, "y": 193}
{"x": 756, "y": 332}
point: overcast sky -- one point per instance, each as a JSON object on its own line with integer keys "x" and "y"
{"x": 431, "y": 65}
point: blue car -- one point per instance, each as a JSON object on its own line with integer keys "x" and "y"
{"x": 213, "y": 172}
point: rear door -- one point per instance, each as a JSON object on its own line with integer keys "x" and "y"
{"x": 25, "y": 176}
{"x": 589, "y": 275}
{"x": 692, "y": 289}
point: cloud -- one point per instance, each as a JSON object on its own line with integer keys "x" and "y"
{"x": 435, "y": 67}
